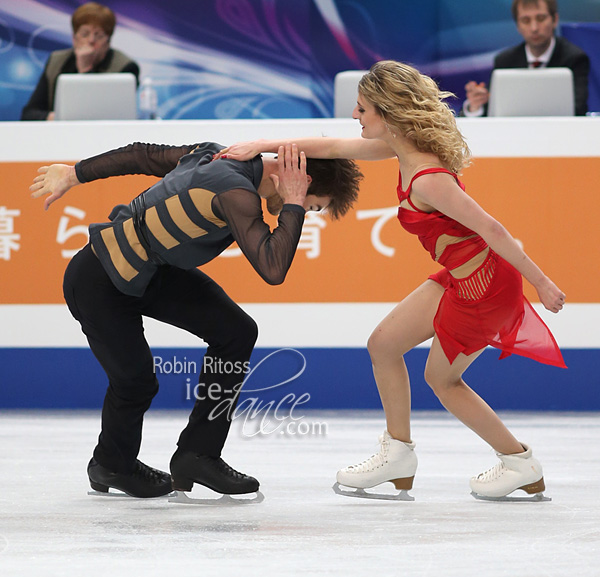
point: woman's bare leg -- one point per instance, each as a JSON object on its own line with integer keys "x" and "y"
{"x": 408, "y": 325}
{"x": 465, "y": 404}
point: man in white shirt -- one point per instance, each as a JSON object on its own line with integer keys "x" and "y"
{"x": 536, "y": 21}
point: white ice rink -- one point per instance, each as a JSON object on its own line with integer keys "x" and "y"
{"x": 49, "y": 525}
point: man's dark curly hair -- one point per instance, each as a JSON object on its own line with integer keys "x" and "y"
{"x": 337, "y": 178}
{"x": 552, "y": 7}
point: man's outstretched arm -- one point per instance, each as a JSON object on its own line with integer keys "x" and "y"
{"x": 138, "y": 158}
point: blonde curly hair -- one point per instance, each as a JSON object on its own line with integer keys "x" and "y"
{"x": 413, "y": 104}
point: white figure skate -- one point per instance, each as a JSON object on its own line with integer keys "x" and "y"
{"x": 396, "y": 463}
{"x": 514, "y": 472}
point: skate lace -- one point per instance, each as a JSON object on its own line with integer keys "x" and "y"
{"x": 147, "y": 473}
{"x": 374, "y": 461}
{"x": 229, "y": 471}
{"x": 492, "y": 474}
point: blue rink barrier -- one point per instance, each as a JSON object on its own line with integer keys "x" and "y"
{"x": 313, "y": 378}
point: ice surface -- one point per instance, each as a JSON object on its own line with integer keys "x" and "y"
{"x": 49, "y": 525}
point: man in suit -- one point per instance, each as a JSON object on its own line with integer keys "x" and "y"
{"x": 536, "y": 21}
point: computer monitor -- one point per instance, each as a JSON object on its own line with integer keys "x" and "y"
{"x": 102, "y": 96}
{"x": 532, "y": 92}
{"x": 345, "y": 92}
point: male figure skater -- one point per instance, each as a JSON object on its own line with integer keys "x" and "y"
{"x": 144, "y": 263}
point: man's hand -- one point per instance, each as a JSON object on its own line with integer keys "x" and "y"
{"x": 291, "y": 181}
{"x": 477, "y": 95}
{"x": 54, "y": 180}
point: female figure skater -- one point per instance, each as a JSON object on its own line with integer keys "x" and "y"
{"x": 474, "y": 301}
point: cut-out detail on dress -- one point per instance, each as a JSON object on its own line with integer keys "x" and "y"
{"x": 476, "y": 285}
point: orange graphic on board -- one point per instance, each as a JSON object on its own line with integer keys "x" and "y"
{"x": 549, "y": 204}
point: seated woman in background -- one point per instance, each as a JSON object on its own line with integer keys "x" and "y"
{"x": 93, "y": 25}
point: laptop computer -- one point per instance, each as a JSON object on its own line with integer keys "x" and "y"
{"x": 102, "y": 96}
{"x": 532, "y": 92}
{"x": 345, "y": 92}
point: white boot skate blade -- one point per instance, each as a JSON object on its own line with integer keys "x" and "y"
{"x": 538, "y": 497}
{"x": 362, "y": 494}
{"x": 222, "y": 501}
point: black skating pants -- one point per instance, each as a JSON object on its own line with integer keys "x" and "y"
{"x": 112, "y": 323}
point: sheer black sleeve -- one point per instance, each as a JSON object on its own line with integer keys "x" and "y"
{"x": 136, "y": 158}
{"x": 269, "y": 252}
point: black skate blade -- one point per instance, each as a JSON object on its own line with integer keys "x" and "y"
{"x": 537, "y": 498}
{"x": 222, "y": 501}
{"x": 116, "y": 494}
{"x": 362, "y": 494}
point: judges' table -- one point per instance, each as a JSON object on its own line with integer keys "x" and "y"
{"x": 539, "y": 177}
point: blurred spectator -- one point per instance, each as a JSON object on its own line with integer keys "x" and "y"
{"x": 536, "y": 21}
{"x": 93, "y": 25}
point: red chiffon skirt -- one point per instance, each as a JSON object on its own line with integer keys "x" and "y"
{"x": 489, "y": 308}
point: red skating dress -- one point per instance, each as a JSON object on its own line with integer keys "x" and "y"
{"x": 487, "y": 307}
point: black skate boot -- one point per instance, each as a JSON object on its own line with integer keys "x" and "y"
{"x": 188, "y": 468}
{"x": 143, "y": 481}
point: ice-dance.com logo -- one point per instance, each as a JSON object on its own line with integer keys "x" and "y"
{"x": 176, "y": 366}
{"x": 258, "y": 417}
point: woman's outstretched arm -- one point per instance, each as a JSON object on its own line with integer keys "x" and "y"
{"x": 317, "y": 147}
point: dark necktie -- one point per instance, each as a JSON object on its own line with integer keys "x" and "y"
{"x": 536, "y": 64}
